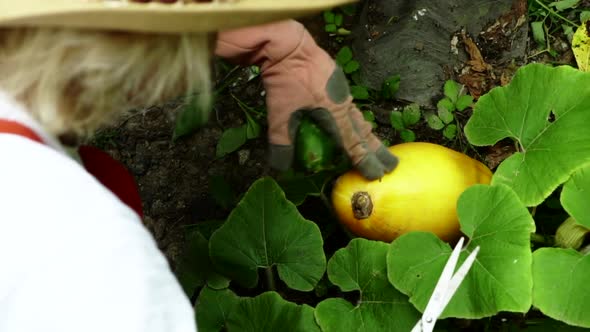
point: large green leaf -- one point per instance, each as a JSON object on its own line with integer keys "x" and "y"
{"x": 550, "y": 150}
{"x": 213, "y": 309}
{"x": 266, "y": 230}
{"x": 500, "y": 279}
{"x": 561, "y": 288}
{"x": 575, "y": 198}
{"x": 269, "y": 312}
{"x": 195, "y": 269}
{"x": 361, "y": 267}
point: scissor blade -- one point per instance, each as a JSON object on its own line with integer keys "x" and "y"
{"x": 445, "y": 288}
{"x": 458, "y": 279}
{"x": 441, "y": 286}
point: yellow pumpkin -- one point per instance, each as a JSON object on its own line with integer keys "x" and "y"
{"x": 419, "y": 195}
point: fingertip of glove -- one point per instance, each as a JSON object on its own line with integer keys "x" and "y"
{"x": 375, "y": 166}
{"x": 371, "y": 168}
{"x": 388, "y": 159}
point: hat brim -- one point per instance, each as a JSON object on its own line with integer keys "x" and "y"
{"x": 154, "y": 16}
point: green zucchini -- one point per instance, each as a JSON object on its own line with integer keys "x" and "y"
{"x": 315, "y": 150}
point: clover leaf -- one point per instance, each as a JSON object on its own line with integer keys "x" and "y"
{"x": 266, "y": 230}
{"x": 550, "y": 150}
{"x": 361, "y": 267}
{"x": 500, "y": 279}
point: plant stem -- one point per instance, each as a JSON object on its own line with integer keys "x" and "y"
{"x": 270, "y": 279}
{"x": 540, "y": 239}
{"x": 554, "y": 13}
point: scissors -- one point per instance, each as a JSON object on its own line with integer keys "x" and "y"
{"x": 445, "y": 288}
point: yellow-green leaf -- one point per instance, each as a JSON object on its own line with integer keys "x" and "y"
{"x": 581, "y": 46}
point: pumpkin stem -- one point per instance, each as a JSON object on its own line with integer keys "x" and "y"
{"x": 362, "y": 206}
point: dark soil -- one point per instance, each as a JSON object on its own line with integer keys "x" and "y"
{"x": 174, "y": 176}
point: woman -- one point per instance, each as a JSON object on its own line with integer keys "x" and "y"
{"x": 74, "y": 256}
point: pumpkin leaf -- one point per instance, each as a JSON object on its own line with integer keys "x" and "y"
{"x": 361, "y": 267}
{"x": 561, "y": 288}
{"x": 266, "y": 230}
{"x": 269, "y": 312}
{"x": 213, "y": 308}
{"x": 581, "y": 46}
{"x": 574, "y": 196}
{"x": 550, "y": 150}
{"x": 500, "y": 279}
{"x": 195, "y": 269}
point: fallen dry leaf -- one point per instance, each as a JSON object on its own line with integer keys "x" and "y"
{"x": 476, "y": 61}
{"x": 476, "y": 83}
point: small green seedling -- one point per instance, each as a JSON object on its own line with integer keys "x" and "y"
{"x": 370, "y": 117}
{"x": 333, "y": 24}
{"x": 233, "y": 138}
{"x": 390, "y": 86}
{"x": 402, "y": 121}
{"x": 455, "y": 100}
{"x": 549, "y": 18}
{"x": 344, "y": 59}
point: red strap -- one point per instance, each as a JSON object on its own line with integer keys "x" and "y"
{"x": 12, "y": 127}
{"x": 111, "y": 173}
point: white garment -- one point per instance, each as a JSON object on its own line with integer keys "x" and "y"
{"x": 73, "y": 257}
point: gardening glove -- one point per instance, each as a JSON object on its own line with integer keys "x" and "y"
{"x": 301, "y": 78}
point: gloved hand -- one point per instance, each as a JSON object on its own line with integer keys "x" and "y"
{"x": 299, "y": 77}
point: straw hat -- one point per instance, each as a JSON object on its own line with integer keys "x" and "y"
{"x": 156, "y": 16}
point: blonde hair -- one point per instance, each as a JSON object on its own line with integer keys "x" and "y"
{"x": 75, "y": 81}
